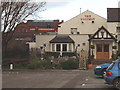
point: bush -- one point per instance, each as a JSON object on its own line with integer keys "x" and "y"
{"x": 39, "y": 65}
{"x": 57, "y": 66}
{"x": 34, "y": 65}
{"x": 70, "y": 64}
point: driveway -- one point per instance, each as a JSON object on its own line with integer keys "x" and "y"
{"x": 52, "y": 79}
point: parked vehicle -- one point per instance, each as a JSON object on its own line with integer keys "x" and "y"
{"x": 100, "y": 69}
{"x": 112, "y": 74}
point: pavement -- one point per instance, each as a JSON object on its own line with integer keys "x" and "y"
{"x": 52, "y": 79}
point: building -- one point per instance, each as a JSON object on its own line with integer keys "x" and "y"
{"x": 29, "y": 29}
{"x": 80, "y": 33}
{"x": 113, "y": 21}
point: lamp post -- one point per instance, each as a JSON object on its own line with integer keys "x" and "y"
{"x": 78, "y": 45}
{"x": 44, "y": 47}
{"x": 41, "y": 49}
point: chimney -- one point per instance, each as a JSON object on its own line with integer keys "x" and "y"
{"x": 119, "y": 4}
{"x": 80, "y": 10}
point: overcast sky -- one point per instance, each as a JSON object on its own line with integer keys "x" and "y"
{"x": 67, "y": 9}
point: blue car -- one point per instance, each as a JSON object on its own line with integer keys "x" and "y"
{"x": 112, "y": 75}
{"x": 100, "y": 69}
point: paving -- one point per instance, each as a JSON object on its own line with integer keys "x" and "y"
{"x": 52, "y": 79}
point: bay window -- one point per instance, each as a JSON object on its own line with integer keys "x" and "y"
{"x": 64, "y": 47}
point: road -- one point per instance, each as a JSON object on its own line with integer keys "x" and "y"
{"x": 52, "y": 79}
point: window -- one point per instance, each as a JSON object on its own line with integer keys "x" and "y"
{"x": 110, "y": 66}
{"x": 70, "y": 47}
{"x": 46, "y": 29}
{"x": 48, "y": 26}
{"x": 53, "y": 47}
{"x": 58, "y": 47}
{"x": 36, "y": 29}
{"x": 61, "y": 47}
{"x": 32, "y": 29}
{"x": 23, "y": 30}
{"x": 99, "y": 47}
{"x": 106, "y": 48}
{"x": 119, "y": 65}
{"x": 118, "y": 29}
{"x": 64, "y": 47}
{"x": 83, "y": 44}
{"x": 73, "y": 30}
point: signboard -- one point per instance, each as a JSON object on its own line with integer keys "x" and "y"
{"x": 88, "y": 17}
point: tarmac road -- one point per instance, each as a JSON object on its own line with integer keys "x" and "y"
{"x": 52, "y": 79}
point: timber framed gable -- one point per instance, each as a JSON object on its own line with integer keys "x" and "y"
{"x": 102, "y": 33}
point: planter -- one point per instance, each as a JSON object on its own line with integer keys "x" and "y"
{"x": 89, "y": 66}
{"x": 92, "y": 57}
{"x": 114, "y": 47}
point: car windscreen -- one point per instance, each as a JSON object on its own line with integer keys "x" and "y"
{"x": 110, "y": 66}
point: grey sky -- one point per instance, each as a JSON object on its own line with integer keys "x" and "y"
{"x": 67, "y": 9}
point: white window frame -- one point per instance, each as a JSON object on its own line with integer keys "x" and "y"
{"x": 61, "y": 47}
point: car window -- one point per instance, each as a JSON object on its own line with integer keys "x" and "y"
{"x": 110, "y": 66}
{"x": 119, "y": 65}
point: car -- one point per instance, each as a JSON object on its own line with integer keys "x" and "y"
{"x": 100, "y": 69}
{"x": 112, "y": 74}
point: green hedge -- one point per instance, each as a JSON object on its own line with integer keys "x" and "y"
{"x": 56, "y": 54}
{"x": 39, "y": 64}
{"x": 70, "y": 64}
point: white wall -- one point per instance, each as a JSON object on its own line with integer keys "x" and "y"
{"x": 80, "y": 39}
{"x": 84, "y": 28}
{"x": 44, "y": 39}
{"x": 111, "y": 26}
{"x": 31, "y": 45}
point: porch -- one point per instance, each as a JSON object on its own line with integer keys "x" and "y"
{"x": 103, "y": 42}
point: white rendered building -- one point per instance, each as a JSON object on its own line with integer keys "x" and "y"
{"x": 79, "y": 33}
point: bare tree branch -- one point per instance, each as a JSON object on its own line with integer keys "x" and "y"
{"x": 12, "y": 13}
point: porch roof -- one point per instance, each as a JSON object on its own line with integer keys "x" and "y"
{"x": 96, "y": 35}
{"x": 62, "y": 39}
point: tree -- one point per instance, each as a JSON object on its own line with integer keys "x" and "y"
{"x": 12, "y": 13}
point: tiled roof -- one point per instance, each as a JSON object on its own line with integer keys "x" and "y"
{"x": 113, "y": 14}
{"x": 62, "y": 39}
{"x": 43, "y": 23}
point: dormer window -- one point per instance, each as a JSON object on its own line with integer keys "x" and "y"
{"x": 73, "y": 30}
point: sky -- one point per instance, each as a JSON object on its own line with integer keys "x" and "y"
{"x": 67, "y": 9}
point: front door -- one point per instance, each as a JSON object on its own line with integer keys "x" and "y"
{"x": 102, "y": 51}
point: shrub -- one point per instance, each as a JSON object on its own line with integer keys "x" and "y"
{"x": 70, "y": 64}
{"x": 57, "y": 66}
{"x": 34, "y": 65}
{"x": 39, "y": 64}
